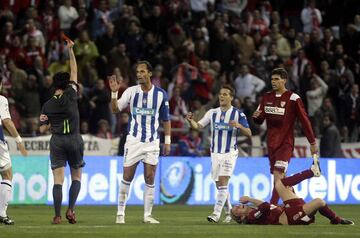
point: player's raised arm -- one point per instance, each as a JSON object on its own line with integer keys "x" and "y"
{"x": 73, "y": 65}
{"x": 114, "y": 86}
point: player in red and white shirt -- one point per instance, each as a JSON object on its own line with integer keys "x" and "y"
{"x": 294, "y": 212}
{"x": 280, "y": 108}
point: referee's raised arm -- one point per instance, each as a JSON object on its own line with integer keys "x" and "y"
{"x": 73, "y": 65}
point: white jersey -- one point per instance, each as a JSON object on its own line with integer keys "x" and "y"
{"x": 4, "y": 113}
{"x": 147, "y": 109}
{"x": 223, "y": 136}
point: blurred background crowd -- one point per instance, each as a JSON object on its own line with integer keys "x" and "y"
{"x": 194, "y": 46}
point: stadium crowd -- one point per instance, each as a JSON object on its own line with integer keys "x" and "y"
{"x": 195, "y": 46}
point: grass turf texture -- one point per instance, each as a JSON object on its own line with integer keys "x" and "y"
{"x": 176, "y": 221}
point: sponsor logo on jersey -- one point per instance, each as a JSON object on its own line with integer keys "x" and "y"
{"x": 274, "y": 110}
{"x": 222, "y": 126}
{"x": 144, "y": 111}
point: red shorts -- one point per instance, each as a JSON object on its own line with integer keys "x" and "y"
{"x": 295, "y": 212}
{"x": 279, "y": 158}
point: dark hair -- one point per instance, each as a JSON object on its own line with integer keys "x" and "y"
{"x": 280, "y": 71}
{"x": 61, "y": 80}
{"x": 238, "y": 219}
{"x": 147, "y": 63}
{"x": 230, "y": 88}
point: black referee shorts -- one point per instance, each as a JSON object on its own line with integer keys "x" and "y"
{"x": 66, "y": 148}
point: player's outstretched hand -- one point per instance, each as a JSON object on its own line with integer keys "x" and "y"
{"x": 189, "y": 116}
{"x": 22, "y": 149}
{"x": 257, "y": 113}
{"x": 244, "y": 199}
{"x": 114, "y": 83}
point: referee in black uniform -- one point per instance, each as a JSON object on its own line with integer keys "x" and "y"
{"x": 60, "y": 114}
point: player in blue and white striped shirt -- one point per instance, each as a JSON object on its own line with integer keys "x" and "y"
{"x": 226, "y": 122}
{"x": 148, "y": 106}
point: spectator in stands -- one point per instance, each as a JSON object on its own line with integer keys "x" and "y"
{"x": 103, "y": 130}
{"x": 107, "y": 41}
{"x": 118, "y": 58}
{"x": 35, "y": 34}
{"x": 243, "y": 43}
{"x": 178, "y": 112}
{"x": 67, "y": 14}
{"x": 99, "y": 101}
{"x": 282, "y": 45}
{"x": 85, "y": 51}
{"x": 84, "y": 128}
{"x": 350, "y": 114}
{"x": 60, "y": 65}
{"x": 299, "y": 65}
{"x": 326, "y": 108}
{"x": 79, "y": 24}
{"x": 18, "y": 77}
{"x": 311, "y": 17}
{"x": 103, "y": 16}
{"x": 191, "y": 144}
{"x": 315, "y": 96}
{"x": 330, "y": 142}
{"x": 247, "y": 84}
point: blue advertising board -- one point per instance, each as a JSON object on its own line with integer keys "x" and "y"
{"x": 188, "y": 180}
{"x": 183, "y": 180}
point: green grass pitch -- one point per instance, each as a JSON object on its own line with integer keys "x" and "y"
{"x": 176, "y": 221}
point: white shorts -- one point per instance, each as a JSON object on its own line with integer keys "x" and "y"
{"x": 135, "y": 151}
{"x": 223, "y": 164}
{"x": 5, "y": 161}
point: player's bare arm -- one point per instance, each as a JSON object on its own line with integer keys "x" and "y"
{"x": 245, "y": 131}
{"x": 114, "y": 84}
{"x": 10, "y": 127}
{"x": 193, "y": 124}
{"x": 247, "y": 199}
{"x": 167, "y": 132}
{"x": 73, "y": 65}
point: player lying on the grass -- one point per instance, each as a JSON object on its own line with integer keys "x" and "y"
{"x": 294, "y": 212}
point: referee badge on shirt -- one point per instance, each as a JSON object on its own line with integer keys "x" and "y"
{"x": 282, "y": 103}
